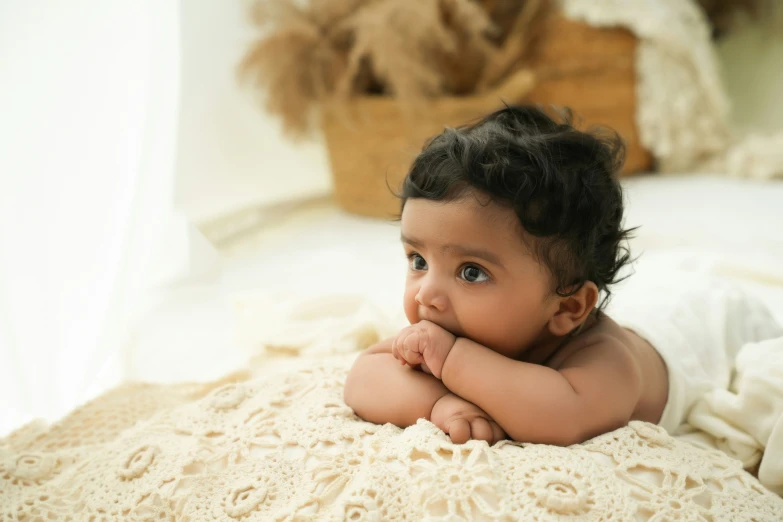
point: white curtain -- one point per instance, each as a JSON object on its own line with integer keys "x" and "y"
{"x": 88, "y": 123}
{"x": 233, "y": 155}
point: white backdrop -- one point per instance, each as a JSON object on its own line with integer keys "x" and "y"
{"x": 88, "y": 98}
{"x": 231, "y": 154}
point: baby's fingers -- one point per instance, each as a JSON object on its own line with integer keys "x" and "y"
{"x": 459, "y": 431}
{"x": 497, "y": 433}
{"x": 397, "y": 348}
{"x": 411, "y": 349}
{"x": 480, "y": 429}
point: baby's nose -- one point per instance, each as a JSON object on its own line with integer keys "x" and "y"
{"x": 431, "y": 295}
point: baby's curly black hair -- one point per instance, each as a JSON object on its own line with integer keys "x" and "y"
{"x": 561, "y": 182}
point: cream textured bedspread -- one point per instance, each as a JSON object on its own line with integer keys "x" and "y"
{"x": 286, "y": 447}
{"x": 277, "y": 442}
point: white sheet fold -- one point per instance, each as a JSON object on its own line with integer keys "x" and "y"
{"x": 746, "y": 421}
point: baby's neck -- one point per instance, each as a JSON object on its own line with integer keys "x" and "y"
{"x": 548, "y": 345}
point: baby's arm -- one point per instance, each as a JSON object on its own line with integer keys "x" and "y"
{"x": 594, "y": 391}
{"x": 380, "y": 390}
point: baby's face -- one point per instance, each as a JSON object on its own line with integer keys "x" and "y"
{"x": 471, "y": 273}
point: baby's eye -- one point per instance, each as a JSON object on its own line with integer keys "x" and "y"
{"x": 417, "y": 262}
{"x": 473, "y": 274}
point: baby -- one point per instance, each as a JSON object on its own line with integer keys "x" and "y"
{"x": 513, "y": 232}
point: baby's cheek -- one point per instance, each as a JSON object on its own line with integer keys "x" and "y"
{"x": 410, "y": 306}
{"x": 492, "y": 331}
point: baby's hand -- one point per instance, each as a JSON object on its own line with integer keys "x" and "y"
{"x": 425, "y": 344}
{"x": 463, "y": 420}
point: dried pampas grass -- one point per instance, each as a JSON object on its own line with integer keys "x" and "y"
{"x": 526, "y": 24}
{"x": 329, "y": 51}
{"x": 419, "y": 48}
{"x": 301, "y": 58}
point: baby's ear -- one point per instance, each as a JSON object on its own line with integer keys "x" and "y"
{"x": 573, "y": 310}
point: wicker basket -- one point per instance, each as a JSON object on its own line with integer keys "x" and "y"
{"x": 372, "y": 141}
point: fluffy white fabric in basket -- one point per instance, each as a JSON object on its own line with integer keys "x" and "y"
{"x": 683, "y": 107}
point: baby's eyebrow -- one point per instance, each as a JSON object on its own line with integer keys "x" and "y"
{"x": 410, "y": 241}
{"x": 466, "y": 251}
{"x": 486, "y": 255}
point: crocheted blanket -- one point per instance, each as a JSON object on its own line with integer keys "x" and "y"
{"x": 286, "y": 447}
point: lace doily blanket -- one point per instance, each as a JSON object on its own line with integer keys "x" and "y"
{"x": 286, "y": 447}
{"x": 682, "y": 105}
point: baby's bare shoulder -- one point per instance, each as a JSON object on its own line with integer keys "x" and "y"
{"x": 604, "y": 338}
{"x": 616, "y": 372}
{"x": 608, "y": 331}
{"x": 610, "y": 351}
